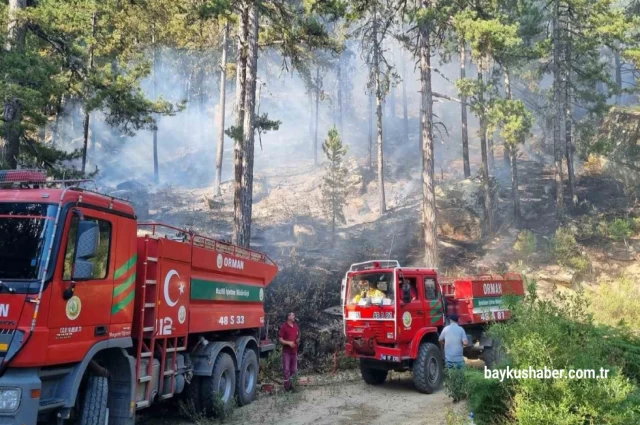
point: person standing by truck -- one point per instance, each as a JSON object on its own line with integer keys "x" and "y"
{"x": 289, "y": 337}
{"x": 453, "y": 339}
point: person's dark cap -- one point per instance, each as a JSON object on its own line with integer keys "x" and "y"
{"x": 454, "y": 317}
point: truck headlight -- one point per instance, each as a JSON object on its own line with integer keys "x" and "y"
{"x": 9, "y": 399}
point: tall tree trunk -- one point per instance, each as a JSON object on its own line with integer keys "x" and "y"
{"x": 92, "y": 143}
{"x": 315, "y": 135}
{"x": 507, "y": 88}
{"x": 241, "y": 77}
{"x": 311, "y": 115}
{"x": 249, "y": 127}
{"x": 568, "y": 124}
{"x": 334, "y": 209}
{"x": 492, "y": 161}
{"x": 512, "y": 151}
{"x": 463, "y": 111}
{"x": 486, "y": 184}
{"x": 557, "y": 110}
{"x": 12, "y": 110}
{"x": 405, "y": 109}
{"x": 370, "y": 131}
{"x": 221, "y": 111}
{"x": 618, "y": 66}
{"x": 201, "y": 105}
{"x": 156, "y": 166}
{"x": 339, "y": 96}
{"x": 379, "y": 101}
{"x": 426, "y": 128}
{"x": 87, "y": 114}
{"x": 55, "y": 134}
{"x": 392, "y": 101}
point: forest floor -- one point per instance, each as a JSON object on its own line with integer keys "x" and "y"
{"x": 346, "y": 402}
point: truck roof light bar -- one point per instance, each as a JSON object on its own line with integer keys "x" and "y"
{"x": 22, "y": 176}
{"x": 374, "y": 264}
{"x": 36, "y": 179}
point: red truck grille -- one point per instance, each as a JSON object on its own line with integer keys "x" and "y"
{"x": 369, "y": 329}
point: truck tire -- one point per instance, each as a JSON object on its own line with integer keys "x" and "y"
{"x": 218, "y": 390}
{"x": 373, "y": 376}
{"x": 428, "y": 368}
{"x": 94, "y": 405}
{"x": 247, "y": 379}
{"x": 193, "y": 392}
{"x": 495, "y": 355}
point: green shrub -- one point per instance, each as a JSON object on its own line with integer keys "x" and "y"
{"x": 526, "y": 243}
{"x": 617, "y": 303}
{"x": 588, "y": 227}
{"x": 559, "y": 333}
{"x": 579, "y": 263}
{"x": 620, "y": 229}
{"x": 455, "y": 384}
{"x": 489, "y": 399}
{"x": 566, "y": 251}
{"x": 564, "y": 245}
{"x": 636, "y": 224}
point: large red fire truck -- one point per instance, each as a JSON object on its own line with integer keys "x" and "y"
{"x": 101, "y": 316}
{"x": 393, "y": 317}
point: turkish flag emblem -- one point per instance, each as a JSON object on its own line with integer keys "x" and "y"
{"x": 173, "y": 288}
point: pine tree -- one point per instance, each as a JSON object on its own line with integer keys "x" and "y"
{"x": 426, "y": 37}
{"x": 515, "y": 122}
{"x": 295, "y": 29}
{"x": 375, "y": 19}
{"x": 12, "y": 109}
{"x": 221, "y": 112}
{"x": 489, "y": 36}
{"x": 334, "y": 182}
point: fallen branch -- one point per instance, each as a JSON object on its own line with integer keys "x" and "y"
{"x": 453, "y": 99}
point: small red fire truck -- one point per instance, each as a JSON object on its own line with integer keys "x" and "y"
{"x": 101, "y": 316}
{"x": 393, "y": 317}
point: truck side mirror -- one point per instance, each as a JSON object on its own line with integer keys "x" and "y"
{"x": 406, "y": 292}
{"x": 87, "y": 241}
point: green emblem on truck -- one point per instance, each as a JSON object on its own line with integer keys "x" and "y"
{"x": 74, "y": 306}
{"x": 406, "y": 319}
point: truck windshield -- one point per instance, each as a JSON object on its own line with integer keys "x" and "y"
{"x": 26, "y": 230}
{"x": 371, "y": 289}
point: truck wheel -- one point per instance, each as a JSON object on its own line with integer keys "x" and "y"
{"x": 218, "y": 390}
{"x": 192, "y": 393}
{"x": 495, "y": 355}
{"x": 373, "y": 376}
{"x": 247, "y": 379}
{"x": 428, "y": 368}
{"x": 94, "y": 406}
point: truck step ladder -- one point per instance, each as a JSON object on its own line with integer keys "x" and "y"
{"x": 151, "y": 346}
{"x": 147, "y": 324}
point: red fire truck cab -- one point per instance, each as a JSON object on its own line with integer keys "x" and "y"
{"x": 101, "y": 316}
{"x": 393, "y": 317}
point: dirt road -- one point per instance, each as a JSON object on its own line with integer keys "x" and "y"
{"x": 345, "y": 403}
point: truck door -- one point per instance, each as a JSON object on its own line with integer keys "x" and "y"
{"x": 433, "y": 301}
{"x": 411, "y": 315}
{"x": 80, "y": 308}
